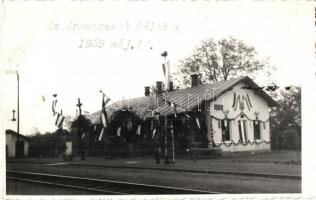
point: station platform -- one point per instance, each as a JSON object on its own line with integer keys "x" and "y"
{"x": 283, "y": 163}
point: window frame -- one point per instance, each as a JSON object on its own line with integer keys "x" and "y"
{"x": 257, "y": 127}
{"x": 225, "y": 129}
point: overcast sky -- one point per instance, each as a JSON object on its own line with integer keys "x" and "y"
{"x": 53, "y": 55}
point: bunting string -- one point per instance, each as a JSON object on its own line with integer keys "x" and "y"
{"x": 233, "y": 118}
{"x": 232, "y": 142}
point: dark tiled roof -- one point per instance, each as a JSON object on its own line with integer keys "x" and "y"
{"x": 9, "y": 131}
{"x": 186, "y": 99}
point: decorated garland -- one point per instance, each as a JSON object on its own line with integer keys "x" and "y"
{"x": 240, "y": 142}
{"x": 263, "y": 121}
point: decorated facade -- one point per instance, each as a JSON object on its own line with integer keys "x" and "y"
{"x": 232, "y": 115}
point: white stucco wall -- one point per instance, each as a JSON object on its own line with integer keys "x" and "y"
{"x": 258, "y": 105}
{"x": 11, "y": 141}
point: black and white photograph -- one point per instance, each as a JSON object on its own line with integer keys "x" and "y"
{"x": 156, "y": 97}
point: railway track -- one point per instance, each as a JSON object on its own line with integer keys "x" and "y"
{"x": 99, "y": 186}
{"x": 232, "y": 173}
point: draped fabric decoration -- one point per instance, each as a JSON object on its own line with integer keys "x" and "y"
{"x": 138, "y": 130}
{"x": 154, "y": 132}
{"x": 234, "y": 100}
{"x": 198, "y": 122}
{"x": 225, "y": 123}
{"x": 232, "y": 142}
{"x": 216, "y": 122}
{"x": 239, "y": 100}
{"x": 59, "y": 120}
{"x": 242, "y": 130}
{"x": 249, "y": 100}
{"x": 118, "y": 132}
{"x": 246, "y": 99}
{"x": 129, "y": 125}
{"x": 104, "y": 118}
{"x": 238, "y": 115}
{"x": 101, "y": 134}
{"x": 95, "y": 128}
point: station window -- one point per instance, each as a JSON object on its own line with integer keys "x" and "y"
{"x": 256, "y": 129}
{"x": 225, "y": 124}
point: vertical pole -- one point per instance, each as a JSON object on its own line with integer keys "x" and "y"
{"x": 173, "y": 153}
{"x": 18, "y": 106}
{"x": 166, "y": 147}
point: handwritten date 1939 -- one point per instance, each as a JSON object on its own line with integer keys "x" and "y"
{"x": 91, "y": 43}
{"x": 120, "y": 44}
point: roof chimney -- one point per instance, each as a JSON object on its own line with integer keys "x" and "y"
{"x": 147, "y": 91}
{"x": 170, "y": 86}
{"x": 159, "y": 87}
{"x": 195, "y": 80}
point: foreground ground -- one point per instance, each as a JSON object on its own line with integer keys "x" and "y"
{"x": 144, "y": 170}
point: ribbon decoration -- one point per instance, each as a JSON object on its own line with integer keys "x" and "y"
{"x": 240, "y": 114}
{"x": 232, "y": 142}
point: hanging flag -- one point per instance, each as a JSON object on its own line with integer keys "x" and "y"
{"x": 225, "y": 123}
{"x": 129, "y": 125}
{"x": 103, "y": 112}
{"x": 101, "y": 134}
{"x": 54, "y": 107}
{"x": 118, "y": 132}
{"x": 198, "y": 123}
{"x": 103, "y": 119}
{"x": 154, "y": 132}
{"x": 151, "y": 125}
{"x": 166, "y": 72}
{"x": 106, "y": 101}
{"x": 59, "y": 120}
{"x": 138, "y": 131}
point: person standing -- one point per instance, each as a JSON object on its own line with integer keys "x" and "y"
{"x": 157, "y": 138}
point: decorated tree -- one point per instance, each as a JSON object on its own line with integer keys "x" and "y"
{"x": 221, "y": 60}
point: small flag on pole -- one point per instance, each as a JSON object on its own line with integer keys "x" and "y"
{"x": 107, "y": 101}
{"x": 101, "y": 134}
{"x": 59, "y": 120}
{"x": 54, "y": 107}
{"x": 166, "y": 72}
{"x": 103, "y": 119}
{"x": 118, "y": 132}
{"x": 154, "y": 132}
{"x": 198, "y": 123}
{"x": 103, "y": 112}
{"x": 138, "y": 129}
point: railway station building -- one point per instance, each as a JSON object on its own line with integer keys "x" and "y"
{"x": 231, "y": 115}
